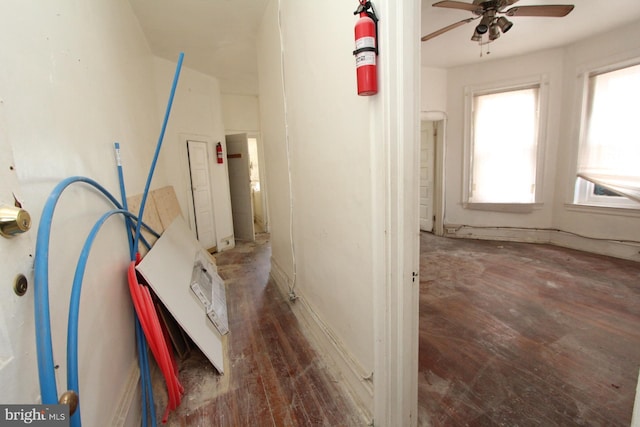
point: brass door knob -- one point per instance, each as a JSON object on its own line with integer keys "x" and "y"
{"x": 13, "y": 220}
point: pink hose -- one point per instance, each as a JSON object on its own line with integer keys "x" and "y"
{"x": 155, "y": 335}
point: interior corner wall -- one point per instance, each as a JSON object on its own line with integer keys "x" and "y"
{"x": 327, "y": 138}
{"x": 76, "y": 77}
{"x": 274, "y": 138}
{"x": 196, "y": 114}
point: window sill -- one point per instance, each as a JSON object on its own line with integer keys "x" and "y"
{"x": 608, "y": 210}
{"x": 503, "y": 207}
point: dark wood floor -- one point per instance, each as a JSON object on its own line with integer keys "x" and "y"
{"x": 273, "y": 377}
{"x": 526, "y": 335}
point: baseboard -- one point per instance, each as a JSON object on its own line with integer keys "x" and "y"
{"x": 635, "y": 417}
{"x": 613, "y": 248}
{"x": 624, "y": 250}
{"x": 356, "y": 382}
{"x": 126, "y": 413}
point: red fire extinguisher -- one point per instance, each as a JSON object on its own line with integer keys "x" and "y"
{"x": 366, "y": 32}
{"x": 219, "y": 152}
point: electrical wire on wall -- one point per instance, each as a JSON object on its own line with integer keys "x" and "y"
{"x": 555, "y": 230}
{"x": 292, "y": 285}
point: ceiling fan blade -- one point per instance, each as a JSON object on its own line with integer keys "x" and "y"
{"x": 445, "y": 29}
{"x": 457, "y": 5}
{"x": 552, "y": 10}
{"x": 508, "y": 3}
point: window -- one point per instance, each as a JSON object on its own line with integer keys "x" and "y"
{"x": 503, "y": 146}
{"x": 610, "y": 141}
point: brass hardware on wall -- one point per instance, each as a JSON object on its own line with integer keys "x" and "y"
{"x": 69, "y": 398}
{"x": 13, "y": 220}
{"x": 20, "y": 285}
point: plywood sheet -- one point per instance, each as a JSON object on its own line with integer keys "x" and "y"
{"x": 150, "y": 215}
{"x": 167, "y": 205}
{"x": 168, "y": 268}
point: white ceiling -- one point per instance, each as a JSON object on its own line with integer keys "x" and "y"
{"x": 528, "y": 34}
{"x": 218, "y": 36}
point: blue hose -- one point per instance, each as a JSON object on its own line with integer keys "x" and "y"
{"x": 74, "y": 307}
{"x": 174, "y": 85}
{"x": 143, "y": 355}
{"x": 74, "y": 310}
{"x": 123, "y": 197}
{"x": 44, "y": 347}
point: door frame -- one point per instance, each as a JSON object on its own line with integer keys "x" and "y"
{"x": 184, "y": 154}
{"x": 395, "y": 113}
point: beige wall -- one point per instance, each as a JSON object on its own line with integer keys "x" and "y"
{"x": 241, "y": 113}
{"x": 324, "y": 141}
{"x": 433, "y": 89}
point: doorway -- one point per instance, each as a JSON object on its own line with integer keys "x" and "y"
{"x": 240, "y": 186}
{"x": 432, "y": 134}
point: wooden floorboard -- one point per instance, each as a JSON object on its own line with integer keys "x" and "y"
{"x": 516, "y": 334}
{"x": 273, "y": 377}
{"x": 510, "y": 334}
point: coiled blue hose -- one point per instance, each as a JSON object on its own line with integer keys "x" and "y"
{"x": 44, "y": 347}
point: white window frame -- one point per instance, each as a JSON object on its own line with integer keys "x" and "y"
{"x": 542, "y": 83}
{"x": 583, "y": 189}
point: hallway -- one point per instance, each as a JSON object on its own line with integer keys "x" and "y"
{"x": 273, "y": 377}
{"x": 518, "y": 334}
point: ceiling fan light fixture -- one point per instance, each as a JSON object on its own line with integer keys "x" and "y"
{"x": 504, "y": 24}
{"x": 494, "y": 32}
{"x": 484, "y": 24}
{"x": 476, "y": 37}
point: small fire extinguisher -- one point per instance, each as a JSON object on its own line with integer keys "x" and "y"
{"x": 219, "y": 153}
{"x": 366, "y": 32}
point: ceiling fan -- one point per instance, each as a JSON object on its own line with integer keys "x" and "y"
{"x": 493, "y": 16}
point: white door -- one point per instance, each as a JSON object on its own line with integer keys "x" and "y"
{"x": 427, "y": 173}
{"x": 201, "y": 193}
{"x": 240, "y": 186}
